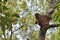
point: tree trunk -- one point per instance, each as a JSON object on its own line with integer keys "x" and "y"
{"x": 42, "y": 33}
{"x": 11, "y": 33}
{"x": 42, "y": 37}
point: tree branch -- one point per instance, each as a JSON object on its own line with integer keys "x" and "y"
{"x": 51, "y": 7}
{"x": 17, "y": 29}
{"x": 53, "y": 25}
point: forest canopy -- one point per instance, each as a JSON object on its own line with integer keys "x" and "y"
{"x": 17, "y": 19}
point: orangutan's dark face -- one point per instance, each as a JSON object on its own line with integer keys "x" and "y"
{"x": 42, "y": 20}
{"x": 36, "y": 15}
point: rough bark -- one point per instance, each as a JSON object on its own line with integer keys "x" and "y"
{"x": 11, "y": 33}
{"x": 42, "y": 33}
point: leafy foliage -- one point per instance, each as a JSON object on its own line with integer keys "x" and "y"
{"x": 56, "y": 16}
{"x": 10, "y": 13}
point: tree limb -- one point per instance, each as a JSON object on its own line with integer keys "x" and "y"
{"x": 53, "y": 25}
{"x": 51, "y": 7}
